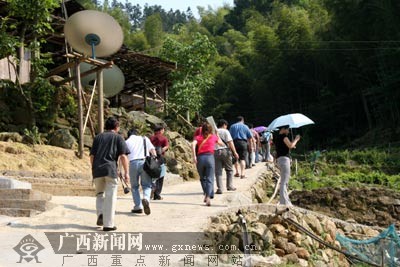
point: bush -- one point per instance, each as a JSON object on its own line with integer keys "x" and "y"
{"x": 337, "y": 156}
{"x": 371, "y": 157}
{"x": 34, "y": 136}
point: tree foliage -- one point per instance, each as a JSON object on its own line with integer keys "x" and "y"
{"x": 192, "y": 80}
{"x": 25, "y": 28}
{"x": 336, "y": 61}
{"x": 153, "y": 30}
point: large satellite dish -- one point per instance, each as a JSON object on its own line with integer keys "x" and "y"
{"x": 93, "y": 33}
{"x": 113, "y": 78}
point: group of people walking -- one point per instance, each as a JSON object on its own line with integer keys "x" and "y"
{"x": 217, "y": 149}
{"x": 213, "y": 150}
{"x": 110, "y": 147}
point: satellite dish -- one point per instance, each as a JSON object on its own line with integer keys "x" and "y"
{"x": 113, "y": 78}
{"x": 95, "y": 33}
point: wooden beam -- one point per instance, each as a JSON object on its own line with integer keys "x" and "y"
{"x": 148, "y": 99}
{"x": 80, "y": 109}
{"x": 100, "y": 100}
{"x": 60, "y": 68}
{"x": 86, "y": 73}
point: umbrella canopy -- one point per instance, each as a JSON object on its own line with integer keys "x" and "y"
{"x": 260, "y": 129}
{"x": 294, "y": 120}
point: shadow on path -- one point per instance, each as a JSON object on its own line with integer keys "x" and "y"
{"x": 183, "y": 194}
{"x": 191, "y": 204}
{"x": 74, "y": 207}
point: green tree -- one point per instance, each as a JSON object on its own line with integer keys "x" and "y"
{"x": 138, "y": 42}
{"x": 153, "y": 30}
{"x": 193, "y": 79}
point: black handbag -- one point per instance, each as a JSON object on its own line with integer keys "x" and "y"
{"x": 152, "y": 165}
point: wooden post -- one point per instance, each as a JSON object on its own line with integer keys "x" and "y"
{"x": 144, "y": 99}
{"x": 165, "y": 96}
{"x": 90, "y": 122}
{"x": 80, "y": 109}
{"x": 100, "y": 100}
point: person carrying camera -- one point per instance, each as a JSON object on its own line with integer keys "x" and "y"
{"x": 107, "y": 148}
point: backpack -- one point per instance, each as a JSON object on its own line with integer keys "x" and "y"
{"x": 152, "y": 165}
{"x": 265, "y": 137}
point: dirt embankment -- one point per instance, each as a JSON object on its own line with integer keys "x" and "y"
{"x": 368, "y": 206}
{"x": 18, "y": 159}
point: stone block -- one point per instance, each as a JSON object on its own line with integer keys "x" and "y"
{"x": 23, "y": 194}
{"x": 39, "y": 205}
{"x": 8, "y": 183}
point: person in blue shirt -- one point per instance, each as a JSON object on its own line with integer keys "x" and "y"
{"x": 242, "y": 139}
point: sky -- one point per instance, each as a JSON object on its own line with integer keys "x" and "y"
{"x": 184, "y": 4}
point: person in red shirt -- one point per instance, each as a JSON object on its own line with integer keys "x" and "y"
{"x": 161, "y": 145}
{"x": 203, "y": 154}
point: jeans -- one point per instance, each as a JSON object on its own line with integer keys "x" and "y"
{"x": 206, "y": 170}
{"x": 158, "y": 184}
{"x": 266, "y": 151}
{"x": 284, "y": 167}
{"x": 106, "y": 198}
{"x": 136, "y": 171}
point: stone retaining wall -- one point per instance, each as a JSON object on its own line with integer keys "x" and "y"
{"x": 274, "y": 235}
{"x": 278, "y": 240}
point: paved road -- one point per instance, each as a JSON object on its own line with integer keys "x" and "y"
{"x": 181, "y": 210}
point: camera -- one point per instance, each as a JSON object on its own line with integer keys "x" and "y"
{"x": 126, "y": 190}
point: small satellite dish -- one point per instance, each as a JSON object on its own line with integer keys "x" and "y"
{"x": 114, "y": 79}
{"x": 94, "y": 33}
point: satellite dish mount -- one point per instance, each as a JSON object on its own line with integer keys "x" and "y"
{"x": 93, "y": 40}
{"x": 96, "y": 33}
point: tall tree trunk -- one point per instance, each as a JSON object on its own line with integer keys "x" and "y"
{"x": 366, "y": 110}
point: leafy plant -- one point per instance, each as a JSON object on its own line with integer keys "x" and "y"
{"x": 34, "y": 136}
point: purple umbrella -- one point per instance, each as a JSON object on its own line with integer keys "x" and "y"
{"x": 260, "y": 129}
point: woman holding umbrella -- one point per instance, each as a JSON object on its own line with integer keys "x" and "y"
{"x": 283, "y": 146}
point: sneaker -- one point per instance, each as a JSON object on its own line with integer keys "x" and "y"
{"x": 106, "y": 229}
{"x": 146, "y": 206}
{"x": 231, "y": 189}
{"x": 100, "y": 220}
{"x": 158, "y": 198}
{"x": 218, "y": 191}
{"x": 137, "y": 211}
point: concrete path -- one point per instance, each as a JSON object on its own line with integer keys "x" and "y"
{"x": 181, "y": 210}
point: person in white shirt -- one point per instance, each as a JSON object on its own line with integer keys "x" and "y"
{"x": 136, "y": 145}
{"x": 223, "y": 157}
